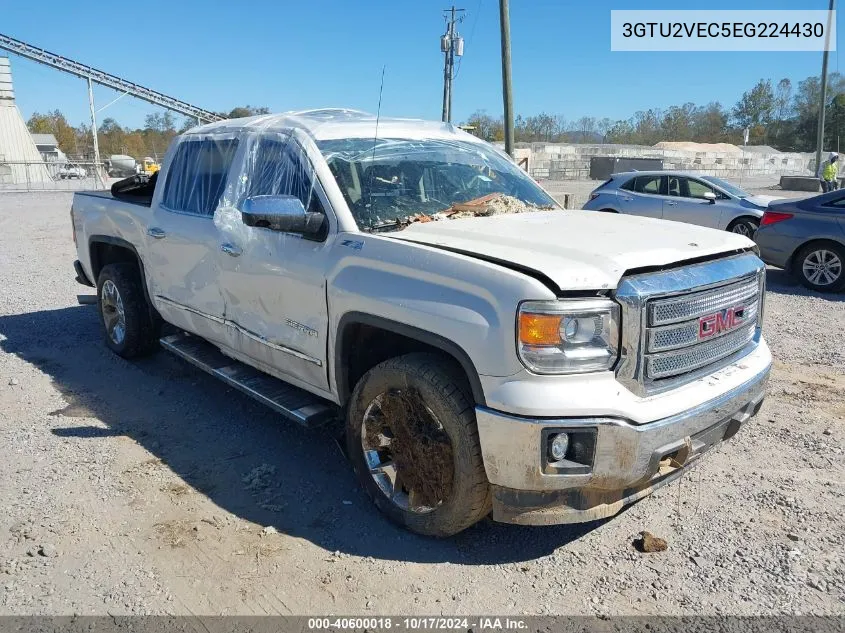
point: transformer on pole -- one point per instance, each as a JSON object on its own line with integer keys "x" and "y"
{"x": 452, "y": 45}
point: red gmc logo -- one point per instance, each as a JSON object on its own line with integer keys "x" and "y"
{"x": 719, "y": 322}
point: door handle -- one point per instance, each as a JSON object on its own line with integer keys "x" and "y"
{"x": 672, "y": 204}
{"x": 156, "y": 232}
{"x": 231, "y": 249}
{"x": 627, "y": 199}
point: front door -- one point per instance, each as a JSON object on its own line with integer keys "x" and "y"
{"x": 274, "y": 283}
{"x": 182, "y": 241}
{"x": 686, "y": 202}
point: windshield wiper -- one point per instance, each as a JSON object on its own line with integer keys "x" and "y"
{"x": 393, "y": 225}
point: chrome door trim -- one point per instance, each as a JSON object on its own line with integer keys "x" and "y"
{"x": 175, "y": 304}
{"x": 249, "y": 334}
{"x": 281, "y": 348}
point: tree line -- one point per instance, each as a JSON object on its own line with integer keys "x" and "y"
{"x": 150, "y": 140}
{"x": 781, "y": 115}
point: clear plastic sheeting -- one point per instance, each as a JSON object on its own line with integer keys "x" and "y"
{"x": 197, "y": 175}
{"x": 389, "y": 172}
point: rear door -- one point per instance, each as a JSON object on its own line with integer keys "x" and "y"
{"x": 183, "y": 243}
{"x": 643, "y": 195}
{"x": 686, "y": 202}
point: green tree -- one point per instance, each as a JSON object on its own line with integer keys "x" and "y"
{"x": 710, "y": 123}
{"x": 834, "y": 129}
{"x": 754, "y": 111}
{"x": 245, "y": 111}
{"x": 56, "y": 124}
{"x": 485, "y": 126}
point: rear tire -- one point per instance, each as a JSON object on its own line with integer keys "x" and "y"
{"x": 820, "y": 266}
{"x": 608, "y": 211}
{"x": 129, "y": 328}
{"x": 439, "y": 437}
{"x": 745, "y": 227}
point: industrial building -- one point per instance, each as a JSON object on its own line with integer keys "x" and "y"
{"x": 20, "y": 160}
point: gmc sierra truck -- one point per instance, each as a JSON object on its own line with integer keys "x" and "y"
{"x": 486, "y": 350}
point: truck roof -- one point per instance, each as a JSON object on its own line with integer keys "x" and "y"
{"x": 335, "y": 123}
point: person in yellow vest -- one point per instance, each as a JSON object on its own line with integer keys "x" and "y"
{"x": 830, "y": 173}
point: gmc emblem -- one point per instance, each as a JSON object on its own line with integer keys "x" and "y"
{"x": 719, "y": 322}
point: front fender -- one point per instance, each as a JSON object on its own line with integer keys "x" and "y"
{"x": 457, "y": 298}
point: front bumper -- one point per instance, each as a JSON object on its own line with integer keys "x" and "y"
{"x": 629, "y": 460}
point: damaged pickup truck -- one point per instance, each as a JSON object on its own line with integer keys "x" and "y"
{"x": 486, "y": 350}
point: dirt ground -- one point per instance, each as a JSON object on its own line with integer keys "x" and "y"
{"x": 147, "y": 487}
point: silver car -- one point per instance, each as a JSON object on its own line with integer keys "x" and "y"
{"x": 683, "y": 197}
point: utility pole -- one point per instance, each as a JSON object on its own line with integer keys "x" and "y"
{"x": 452, "y": 45}
{"x": 820, "y": 132}
{"x": 507, "y": 96}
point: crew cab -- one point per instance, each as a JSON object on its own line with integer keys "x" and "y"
{"x": 485, "y": 350}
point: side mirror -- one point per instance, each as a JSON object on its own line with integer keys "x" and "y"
{"x": 280, "y": 213}
{"x": 709, "y": 195}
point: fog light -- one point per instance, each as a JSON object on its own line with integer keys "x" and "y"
{"x": 558, "y": 446}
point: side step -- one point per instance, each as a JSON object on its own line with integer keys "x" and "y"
{"x": 293, "y": 403}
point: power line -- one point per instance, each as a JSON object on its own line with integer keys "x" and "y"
{"x": 469, "y": 39}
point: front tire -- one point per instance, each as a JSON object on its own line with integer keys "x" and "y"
{"x": 821, "y": 267}
{"x": 129, "y": 329}
{"x": 413, "y": 442}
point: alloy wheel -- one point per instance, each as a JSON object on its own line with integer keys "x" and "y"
{"x": 822, "y": 267}
{"x": 114, "y": 316}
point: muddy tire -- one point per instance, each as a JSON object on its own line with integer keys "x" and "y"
{"x": 129, "y": 329}
{"x": 820, "y": 266}
{"x": 439, "y": 486}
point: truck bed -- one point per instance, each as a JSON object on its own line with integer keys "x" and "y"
{"x": 134, "y": 190}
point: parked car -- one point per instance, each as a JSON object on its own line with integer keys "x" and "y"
{"x": 682, "y": 197}
{"x": 72, "y": 171}
{"x": 483, "y": 349}
{"x": 807, "y": 238}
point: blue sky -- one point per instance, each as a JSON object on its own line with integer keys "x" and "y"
{"x": 329, "y": 53}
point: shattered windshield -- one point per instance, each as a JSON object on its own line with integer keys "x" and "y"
{"x": 390, "y": 183}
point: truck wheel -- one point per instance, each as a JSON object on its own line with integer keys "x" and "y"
{"x": 821, "y": 266}
{"x": 128, "y": 327}
{"x": 413, "y": 442}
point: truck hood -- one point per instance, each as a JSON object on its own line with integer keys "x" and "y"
{"x": 577, "y": 250}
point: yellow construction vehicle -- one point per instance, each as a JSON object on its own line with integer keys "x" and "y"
{"x": 149, "y": 166}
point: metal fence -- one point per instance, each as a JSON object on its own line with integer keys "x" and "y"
{"x": 53, "y": 176}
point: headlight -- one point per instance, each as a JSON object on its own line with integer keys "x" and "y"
{"x": 568, "y": 337}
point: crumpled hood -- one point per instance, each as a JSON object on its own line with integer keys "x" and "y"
{"x": 578, "y": 250}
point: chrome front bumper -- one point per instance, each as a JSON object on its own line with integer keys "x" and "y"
{"x": 629, "y": 461}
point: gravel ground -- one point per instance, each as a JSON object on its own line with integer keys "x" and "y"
{"x": 147, "y": 487}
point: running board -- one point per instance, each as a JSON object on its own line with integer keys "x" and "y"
{"x": 292, "y": 402}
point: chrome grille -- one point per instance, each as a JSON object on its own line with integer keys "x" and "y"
{"x": 670, "y": 337}
{"x": 692, "y": 306}
{"x": 695, "y": 357}
{"x": 683, "y": 323}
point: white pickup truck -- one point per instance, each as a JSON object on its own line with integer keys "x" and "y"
{"x": 486, "y": 349}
